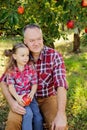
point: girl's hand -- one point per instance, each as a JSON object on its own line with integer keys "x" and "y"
{"x": 31, "y": 95}
{"x": 20, "y": 100}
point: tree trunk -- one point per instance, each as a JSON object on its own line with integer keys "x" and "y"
{"x": 76, "y": 43}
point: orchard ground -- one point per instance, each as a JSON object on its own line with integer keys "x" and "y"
{"x": 76, "y": 67}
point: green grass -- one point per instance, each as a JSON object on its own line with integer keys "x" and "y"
{"x": 76, "y": 67}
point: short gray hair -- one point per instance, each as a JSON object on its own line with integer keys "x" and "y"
{"x": 30, "y": 26}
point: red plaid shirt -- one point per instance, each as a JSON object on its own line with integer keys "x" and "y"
{"x": 51, "y": 72}
{"x": 22, "y": 80}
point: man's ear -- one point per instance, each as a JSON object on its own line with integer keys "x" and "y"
{"x": 14, "y": 56}
{"x": 25, "y": 41}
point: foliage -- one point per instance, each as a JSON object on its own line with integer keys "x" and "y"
{"x": 51, "y": 15}
{"x": 37, "y": 11}
{"x": 84, "y": 39}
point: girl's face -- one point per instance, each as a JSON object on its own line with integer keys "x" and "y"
{"x": 21, "y": 56}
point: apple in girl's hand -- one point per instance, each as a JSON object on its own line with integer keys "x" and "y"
{"x": 27, "y": 100}
{"x": 70, "y": 24}
{"x": 20, "y": 10}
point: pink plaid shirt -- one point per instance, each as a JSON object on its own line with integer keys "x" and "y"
{"x": 22, "y": 80}
{"x": 51, "y": 72}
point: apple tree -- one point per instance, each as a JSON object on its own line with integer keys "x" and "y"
{"x": 16, "y": 14}
{"x": 8, "y": 17}
{"x": 56, "y": 18}
{"x": 75, "y": 18}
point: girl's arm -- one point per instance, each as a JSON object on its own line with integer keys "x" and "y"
{"x": 15, "y": 95}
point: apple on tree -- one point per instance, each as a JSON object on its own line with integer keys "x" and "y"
{"x": 84, "y": 3}
{"x": 20, "y": 10}
{"x": 85, "y": 30}
{"x": 70, "y": 24}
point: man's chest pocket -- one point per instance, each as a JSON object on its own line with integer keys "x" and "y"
{"x": 45, "y": 78}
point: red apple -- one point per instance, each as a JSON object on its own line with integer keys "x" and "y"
{"x": 84, "y": 3}
{"x": 70, "y": 24}
{"x": 85, "y": 30}
{"x": 20, "y": 10}
{"x": 27, "y": 100}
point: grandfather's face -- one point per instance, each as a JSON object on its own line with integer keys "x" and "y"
{"x": 33, "y": 39}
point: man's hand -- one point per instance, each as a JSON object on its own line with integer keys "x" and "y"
{"x": 15, "y": 107}
{"x": 60, "y": 122}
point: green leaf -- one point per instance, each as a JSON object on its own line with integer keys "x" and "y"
{"x": 4, "y": 17}
{"x": 15, "y": 19}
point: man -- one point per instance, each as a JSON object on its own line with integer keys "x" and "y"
{"x": 52, "y": 85}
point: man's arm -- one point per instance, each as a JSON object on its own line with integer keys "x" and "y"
{"x": 60, "y": 121}
{"x": 13, "y": 103}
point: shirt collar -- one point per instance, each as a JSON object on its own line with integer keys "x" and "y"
{"x": 17, "y": 70}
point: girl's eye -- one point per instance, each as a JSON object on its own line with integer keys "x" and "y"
{"x": 22, "y": 55}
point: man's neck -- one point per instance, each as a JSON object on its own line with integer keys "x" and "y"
{"x": 35, "y": 56}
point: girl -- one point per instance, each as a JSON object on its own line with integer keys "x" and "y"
{"x": 21, "y": 79}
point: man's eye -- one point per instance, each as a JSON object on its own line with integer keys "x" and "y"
{"x": 31, "y": 40}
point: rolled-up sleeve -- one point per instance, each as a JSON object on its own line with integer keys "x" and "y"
{"x": 59, "y": 72}
{"x": 3, "y": 77}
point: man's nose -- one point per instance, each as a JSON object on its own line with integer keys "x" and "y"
{"x": 36, "y": 42}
